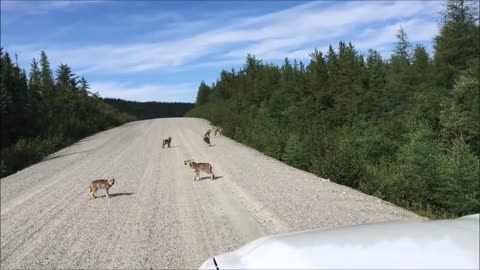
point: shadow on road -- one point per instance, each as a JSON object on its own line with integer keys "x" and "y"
{"x": 208, "y": 177}
{"x": 53, "y": 156}
{"x": 121, "y": 194}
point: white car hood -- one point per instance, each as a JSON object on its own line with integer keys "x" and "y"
{"x": 444, "y": 244}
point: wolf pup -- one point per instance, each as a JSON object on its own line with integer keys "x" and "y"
{"x": 206, "y": 139}
{"x": 101, "y": 184}
{"x": 197, "y": 167}
{"x": 167, "y": 142}
{"x": 219, "y": 131}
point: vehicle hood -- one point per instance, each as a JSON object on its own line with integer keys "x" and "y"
{"x": 443, "y": 244}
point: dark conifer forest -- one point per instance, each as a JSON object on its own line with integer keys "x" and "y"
{"x": 42, "y": 111}
{"x": 150, "y": 109}
{"x": 405, "y": 129}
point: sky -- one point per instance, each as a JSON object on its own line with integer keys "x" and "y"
{"x": 162, "y": 50}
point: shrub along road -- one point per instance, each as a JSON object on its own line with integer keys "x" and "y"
{"x": 158, "y": 217}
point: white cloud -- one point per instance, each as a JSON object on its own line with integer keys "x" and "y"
{"x": 270, "y": 37}
{"x": 417, "y": 31}
{"x": 185, "y": 92}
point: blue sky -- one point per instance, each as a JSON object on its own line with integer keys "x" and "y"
{"x": 161, "y": 50}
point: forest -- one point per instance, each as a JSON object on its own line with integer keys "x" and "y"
{"x": 42, "y": 112}
{"x": 405, "y": 129}
{"x": 150, "y": 109}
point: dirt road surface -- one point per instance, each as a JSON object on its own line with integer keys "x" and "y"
{"x": 158, "y": 217}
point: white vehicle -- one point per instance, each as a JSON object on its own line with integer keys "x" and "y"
{"x": 441, "y": 244}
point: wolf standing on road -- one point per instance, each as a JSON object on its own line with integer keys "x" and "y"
{"x": 167, "y": 142}
{"x": 199, "y": 166}
{"x": 206, "y": 137}
{"x": 101, "y": 184}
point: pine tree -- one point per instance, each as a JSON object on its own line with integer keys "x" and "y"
{"x": 36, "y": 96}
{"x": 403, "y": 48}
{"x": 457, "y": 189}
{"x": 252, "y": 68}
{"x": 399, "y": 77}
{"x": 348, "y": 85}
{"x": 287, "y": 79}
{"x": 317, "y": 82}
{"x": 35, "y": 80}
{"x": 6, "y": 100}
{"x": 66, "y": 80}
{"x": 460, "y": 116}
{"x": 46, "y": 74}
{"x": 203, "y": 94}
{"x": 295, "y": 152}
{"x": 421, "y": 67}
{"x": 427, "y": 99}
{"x": 458, "y": 41}
{"x": 84, "y": 86}
{"x": 375, "y": 96}
{"x": 16, "y": 107}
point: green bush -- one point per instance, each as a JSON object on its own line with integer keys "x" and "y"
{"x": 295, "y": 153}
{"x": 338, "y": 159}
{"x": 458, "y": 188}
{"x": 417, "y": 163}
{"x": 26, "y": 152}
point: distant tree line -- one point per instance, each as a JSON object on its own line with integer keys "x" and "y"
{"x": 405, "y": 129}
{"x": 43, "y": 111}
{"x": 151, "y": 109}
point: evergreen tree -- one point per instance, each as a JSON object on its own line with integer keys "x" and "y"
{"x": 6, "y": 101}
{"x": 295, "y": 153}
{"x": 375, "y": 96}
{"x": 399, "y": 77}
{"x": 203, "y": 94}
{"x": 457, "y": 189}
{"x": 460, "y": 116}
{"x": 84, "y": 86}
{"x": 46, "y": 74}
{"x": 458, "y": 41}
{"x": 317, "y": 83}
{"x": 66, "y": 80}
{"x": 35, "y": 80}
{"x": 421, "y": 67}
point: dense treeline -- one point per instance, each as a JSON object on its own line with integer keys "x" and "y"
{"x": 151, "y": 109}
{"x": 42, "y": 112}
{"x": 405, "y": 129}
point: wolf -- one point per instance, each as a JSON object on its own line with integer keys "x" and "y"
{"x": 199, "y": 166}
{"x": 167, "y": 142}
{"x": 101, "y": 184}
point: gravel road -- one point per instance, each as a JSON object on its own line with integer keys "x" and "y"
{"x": 158, "y": 217}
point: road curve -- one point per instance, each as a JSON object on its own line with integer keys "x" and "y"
{"x": 158, "y": 217}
